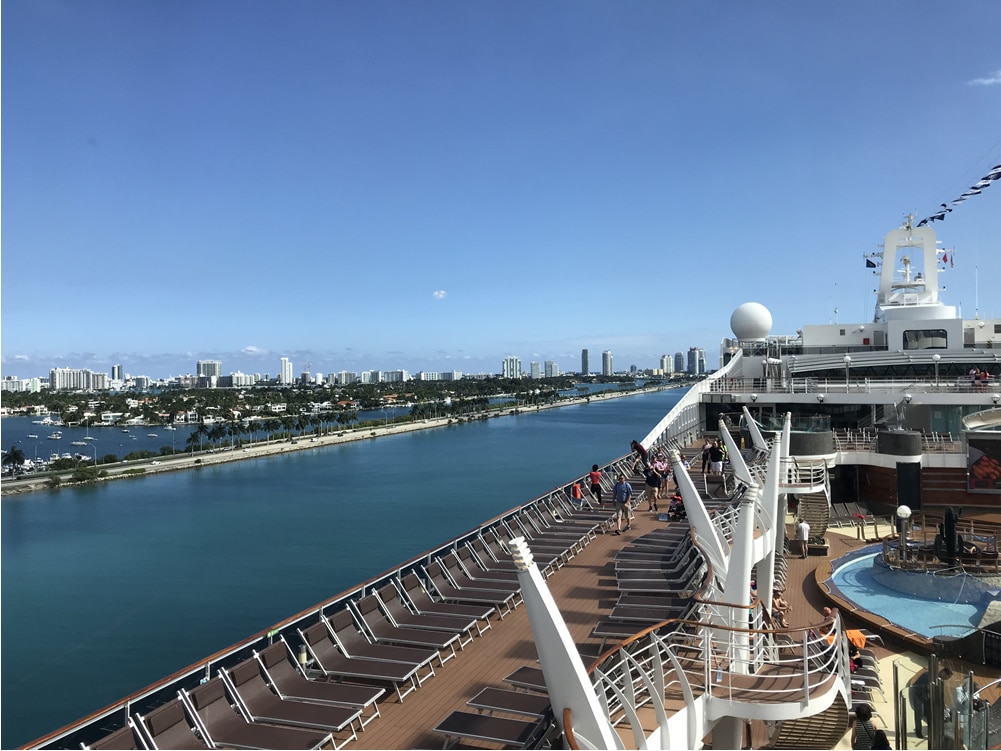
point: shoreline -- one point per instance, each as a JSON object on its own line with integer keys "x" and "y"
{"x": 188, "y": 461}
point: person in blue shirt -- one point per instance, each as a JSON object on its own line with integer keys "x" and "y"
{"x": 622, "y": 493}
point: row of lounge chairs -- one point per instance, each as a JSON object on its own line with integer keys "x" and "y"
{"x": 388, "y": 640}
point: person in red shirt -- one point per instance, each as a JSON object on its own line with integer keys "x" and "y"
{"x": 595, "y": 477}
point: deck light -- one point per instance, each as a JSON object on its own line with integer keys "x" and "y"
{"x": 995, "y": 398}
{"x": 303, "y": 657}
{"x": 820, "y": 398}
{"x": 754, "y": 398}
{"x": 903, "y": 514}
{"x": 907, "y": 398}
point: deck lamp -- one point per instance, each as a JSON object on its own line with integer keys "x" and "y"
{"x": 848, "y": 365}
{"x": 303, "y": 657}
{"x": 995, "y": 398}
{"x": 754, "y": 398}
{"x": 935, "y": 359}
{"x": 820, "y": 398}
{"x": 903, "y": 513}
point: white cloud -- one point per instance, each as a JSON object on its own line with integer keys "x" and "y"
{"x": 439, "y": 294}
{"x": 250, "y": 349}
{"x": 992, "y": 80}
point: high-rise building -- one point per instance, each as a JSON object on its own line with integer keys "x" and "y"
{"x": 116, "y": 372}
{"x": 534, "y": 370}
{"x": 552, "y": 370}
{"x": 606, "y": 363}
{"x": 585, "y": 362}
{"x": 285, "y": 372}
{"x": 511, "y": 367}
{"x": 679, "y": 362}
{"x": 208, "y": 368}
{"x": 667, "y": 364}
{"x": 696, "y": 361}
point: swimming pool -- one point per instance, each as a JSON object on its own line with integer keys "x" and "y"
{"x": 943, "y": 616}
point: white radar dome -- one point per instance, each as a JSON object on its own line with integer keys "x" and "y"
{"x": 751, "y": 321}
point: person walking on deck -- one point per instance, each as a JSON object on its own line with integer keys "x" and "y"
{"x": 595, "y": 477}
{"x": 622, "y": 493}
{"x": 715, "y": 459}
{"x": 641, "y": 456}
{"x": 705, "y": 455}
{"x": 803, "y": 535}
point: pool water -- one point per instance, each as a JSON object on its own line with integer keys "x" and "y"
{"x": 923, "y": 616}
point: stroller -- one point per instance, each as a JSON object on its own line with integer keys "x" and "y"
{"x": 676, "y": 509}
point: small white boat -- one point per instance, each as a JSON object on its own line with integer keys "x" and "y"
{"x": 170, "y": 427}
{"x": 32, "y": 435}
{"x": 151, "y": 435}
{"x": 56, "y": 436}
{"x": 79, "y": 443}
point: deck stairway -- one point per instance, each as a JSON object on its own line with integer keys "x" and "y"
{"x": 815, "y": 509}
{"x": 823, "y": 730}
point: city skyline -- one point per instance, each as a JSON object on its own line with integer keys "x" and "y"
{"x": 286, "y": 372}
{"x": 435, "y": 187}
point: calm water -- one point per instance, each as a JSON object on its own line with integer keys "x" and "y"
{"x": 108, "y": 588}
{"x": 919, "y": 614}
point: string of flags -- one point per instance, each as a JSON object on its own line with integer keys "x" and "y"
{"x": 974, "y": 190}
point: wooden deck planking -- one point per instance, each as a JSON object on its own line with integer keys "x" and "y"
{"x": 584, "y": 589}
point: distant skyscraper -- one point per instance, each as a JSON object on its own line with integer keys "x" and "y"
{"x": 511, "y": 367}
{"x": 552, "y": 370}
{"x": 116, "y": 372}
{"x": 606, "y": 363}
{"x": 667, "y": 364}
{"x": 208, "y": 368}
{"x": 679, "y": 362}
{"x": 696, "y": 361}
{"x": 585, "y": 362}
{"x": 285, "y": 373}
{"x": 535, "y": 370}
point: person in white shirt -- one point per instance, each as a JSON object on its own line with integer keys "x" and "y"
{"x": 803, "y": 535}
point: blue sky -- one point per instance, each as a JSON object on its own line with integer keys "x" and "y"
{"x": 437, "y": 185}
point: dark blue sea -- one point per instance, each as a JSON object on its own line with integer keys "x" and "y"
{"x": 108, "y": 588}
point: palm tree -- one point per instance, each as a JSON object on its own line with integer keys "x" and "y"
{"x": 14, "y": 458}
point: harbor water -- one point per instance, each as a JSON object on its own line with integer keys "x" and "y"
{"x": 110, "y": 587}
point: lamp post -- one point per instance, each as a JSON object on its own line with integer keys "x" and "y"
{"x": 935, "y": 359}
{"x": 903, "y": 514}
{"x": 848, "y": 365}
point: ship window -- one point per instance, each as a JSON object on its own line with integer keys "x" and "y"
{"x": 925, "y": 339}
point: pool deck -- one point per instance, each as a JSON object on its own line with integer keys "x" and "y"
{"x": 807, "y": 595}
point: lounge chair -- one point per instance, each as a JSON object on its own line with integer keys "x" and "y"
{"x": 412, "y": 590}
{"x": 528, "y": 678}
{"x": 290, "y": 684}
{"x": 382, "y": 631}
{"x": 553, "y": 560}
{"x": 504, "y": 602}
{"x": 462, "y": 578}
{"x": 126, "y": 737}
{"x": 485, "y": 728}
{"x": 513, "y": 702}
{"x": 222, "y": 725}
{"x": 168, "y": 726}
{"x": 486, "y": 560}
{"x": 469, "y": 564}
{"x": 404, "y": 677}
{"x": 257, "y": 702}
{"x": 354, "y": 643}
{"x": 399, "y": 614}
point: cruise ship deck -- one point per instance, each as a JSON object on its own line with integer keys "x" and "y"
{"x": 585, "y": 590}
